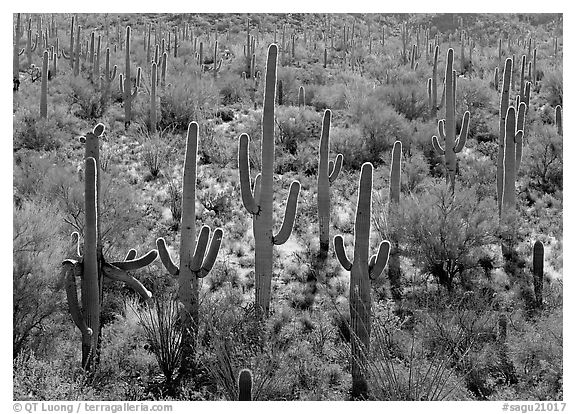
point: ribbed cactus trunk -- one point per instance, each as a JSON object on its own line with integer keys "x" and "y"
{"x": 44, "y": 87}
{"x": 258, "y": 201}
{"x": 77, "y": 51}
{"x": 90, "y": 283}
{"x": 245, "y": 385}
{"x": 16, "y": 52}
{"x": 301, "y": 96}
{"x": 504, "y": 103}
{"x": 538, "y": 271}
{"x": 127, "y": 82}
{"x": 187, "y": 281}
{"x": 153, "y": 82}
{"x": 327, "y": 173}
{"x": 362, "y": 270}
{"x": 394, "y": 273}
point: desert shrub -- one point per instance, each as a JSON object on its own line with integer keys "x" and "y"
{"x": 232, "y": 90}
{"x": 409, "y": 100}
{"x": 446, "y": 236}
{"x": 35, "y": 133}
{"x": 542, "y": 160}
{"x": 348, "y": 142}
{"x": 552, "y": 87}
{"x": 296, "y": 125}
{"x": 86, "y": 100}
{"x": 330, "y": 97}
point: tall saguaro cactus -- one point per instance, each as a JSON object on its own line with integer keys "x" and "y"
{"x": 394, "y": 273}
{"x": 44, "y": 87}
{"x": 127, "y": 88}
{"x": 447, "y": 127}
{"x": 258, "y": 200}
{"x": 17, "y": 51}
{"x": 512, "y": 141}
{"x": 362, "y": 270}
{"x": 327, "y": 173}
{"x": 194, "y": 262}
{"x": 504, "y": 103}
{"x": 153, "y": 82}
{"x": 90, "y": 265}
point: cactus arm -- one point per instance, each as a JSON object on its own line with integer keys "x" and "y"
{"x": 330, "y": 167}
{"x": 289, "y": 215}
{"x": 121, "y": 81}
{"x": 115, "y": 273}
{"x": 341, "y": 252}
{"x": 76, "y": 240}
{"x": 337, "y": 167}
{"x": 377, "y": 266}
{"x": 212, "y": 254}
{"x": 520, "y": 140}
{"x": 69, "y": 270}
{"x": 244, "y": 167}
{"x": 200, "y": 251}
{"x": 137, "y": 263}
{"x": 461, "y": 141}
{"x": 131, "y": 255}
{"x": 165, "y": 257}
{"x": 437, "y": 146}
{"x": 257, "y": 188}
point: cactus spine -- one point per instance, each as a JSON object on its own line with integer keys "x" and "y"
{"x": 245, "y": 385}
{"x": 327, "y": 173}
{"x": 538, "y": 270}
{"x": 90, "y": 264}
{"x": 194, "y": 262}
{"x": 258, "y": 201}
{"x": 362, "y": 270}
{"x": 44, "y": 87}
{"x": 447, "y": 127}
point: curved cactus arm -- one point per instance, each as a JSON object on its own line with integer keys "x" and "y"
{"x": 429, "y": 89}
{"x": 244, "y": 168}
{"x": 212, "y": 253}
{"x": 341, "y": 252}
{"x": 165, "y": 257}
{"x": 330, "y": 167}
{"x": 441, "y": 129}
{"x": 21, "y": 52}
{"x": 76, "y": 240}
{"x": 69, "y": 270}
{"x": 461, "y": 140}
{"x": 377, "y": 267}
{"x": 138, "y": 263}
{"x": 115, "y": 273}
{"x": 257, "y": 188}
{"x": 289, "y": 215}
{"x": 121, "y": 81}
{"x": 519, "y": 141}
{"x": 99, "y": 129}
{"x": 63, "y": 54}
{"x": 131, "y": 255}
{"x": 200, "y": 250}
{"x": 437, "y": 146}
{"x": 337, "y": 167}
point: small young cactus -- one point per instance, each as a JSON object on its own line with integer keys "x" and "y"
{"x": 245, "y": 385}
{"x": 301, "y": 96}
{"x": 195, "y": 263}
{"x": 362, "y": 270}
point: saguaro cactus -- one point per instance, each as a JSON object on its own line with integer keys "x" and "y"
{"x": 362, "y": 270}
{"x": 327, "y": 173}
{"x": 301, "y": 96}
{"x": 258, "y": 201}
{"x": 194, "y": 262}
{"x": 558, "y": 117}
{"x": 245, "y": 385}
{"x": 90, "y": 265}
{"x": 127, "y": 88}
{"x": 394, "y": 273}
{"x": 153, "y": 81}
{"x": 447, "y": 127}
{"x": 512, "y": 137}
{"x": 504, "y": 103}
{"x": 44, "y": 87}
{"x": 435, "y": 106}
{"x": 109, "y": 76}
{"x": 17, "y": 51}
{"x": 538, "y": 271}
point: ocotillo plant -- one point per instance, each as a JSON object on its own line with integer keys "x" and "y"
{"x": 301, "y": 96}
{"x": 90, "y": 264}
{"x": 362, "y": 270}
{"x": 394, "y": 273}
{"x": 327, "y": 173}
{"x": 44, "y": 87}
{"x": 245, "y": 385}
{"x": 538, "y": 271}
{"x": 504, "y": 103}
{"x": 194, "y": 262}
{"x": 558, "y": 118}
{"x": 258, "y": 200}
{"x": 447, "y": 127}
